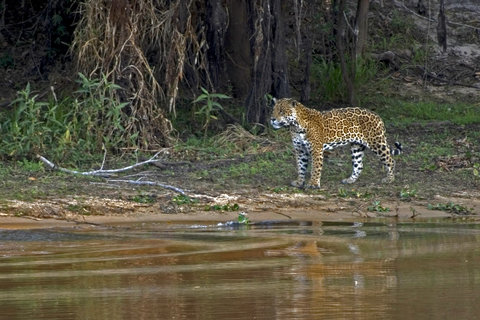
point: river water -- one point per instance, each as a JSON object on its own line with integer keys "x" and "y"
{"x": 298, "y": 270}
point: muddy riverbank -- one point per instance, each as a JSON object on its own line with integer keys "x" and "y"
{"x": 436, "y": 178}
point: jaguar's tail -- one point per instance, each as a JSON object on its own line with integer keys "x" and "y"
{"x": 397, "y": 150}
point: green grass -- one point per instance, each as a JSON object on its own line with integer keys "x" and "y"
{"x": 401, "y": 112}
{"x": 205, "y": 148}
{"x": 269, "y": 168}
{"x": 27, "y": 180}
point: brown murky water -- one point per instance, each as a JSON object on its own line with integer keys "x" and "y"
{"x": 265, "y": 271}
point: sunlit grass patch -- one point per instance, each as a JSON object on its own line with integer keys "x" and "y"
{"x": 406, "y": 112}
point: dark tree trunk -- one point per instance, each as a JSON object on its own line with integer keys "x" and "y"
{"x": 442, "y": 27}
{"x": 280, "y": 64}
{"x": 269, "y": 70}
{"x": 306, "y": 61}
{"x": 260, "y": 46}
{"x": 304, "y": 15}
{"x": 341, "y": 40}
{"x": 215, "y": 33}
{"x": 361, "y": 27}
{"x": 238, "y": 58}
{"x": 421, "y": 9}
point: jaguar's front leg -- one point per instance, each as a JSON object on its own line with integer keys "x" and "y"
{"x": 302, "y": 155}
{"x": 317, "y": 165}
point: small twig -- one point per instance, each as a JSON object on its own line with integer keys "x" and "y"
{"x": 414, "y": 213}
{"x": 104, "y": 156}
{"x": 53, "y": 93}
{"x": 354, "y": 30}
{"x": 283, "y": 214}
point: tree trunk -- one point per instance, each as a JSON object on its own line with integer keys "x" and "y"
{"x": 269, "y": 74}
{"x": 361, "y": 27}
{"x": 306, "y": 60}
{"x": 341, "y": 36}
{"x": 279, "y": 64}
{"x": 442, "y": 27}
{"x": 304, "y": 15}
{"x": 215, "y": 33}
{"x": 238, "y": 60}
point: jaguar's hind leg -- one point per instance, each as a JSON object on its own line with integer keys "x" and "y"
{"x": 357, "y": 151}
{"x": 383, "y": 151}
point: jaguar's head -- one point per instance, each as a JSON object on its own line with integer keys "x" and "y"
{"x": 283, "y": 114}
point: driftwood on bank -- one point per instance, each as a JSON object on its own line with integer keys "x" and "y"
{"x": 105, "y": 173}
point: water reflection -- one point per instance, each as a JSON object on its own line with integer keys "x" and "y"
{"x": 267, "y": 271}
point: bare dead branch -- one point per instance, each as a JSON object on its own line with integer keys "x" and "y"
{"x": 108, "y": 172}
{"x": 100, "y": 172}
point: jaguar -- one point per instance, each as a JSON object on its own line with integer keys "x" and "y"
{"x": 314, "y": 132}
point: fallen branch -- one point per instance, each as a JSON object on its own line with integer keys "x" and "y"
{"x": 108, "y": 172}
{"x": 100, "y": 172}
{"x": 450, "y": 82}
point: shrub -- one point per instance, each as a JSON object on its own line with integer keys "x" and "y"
{"x": 77, "y": 126}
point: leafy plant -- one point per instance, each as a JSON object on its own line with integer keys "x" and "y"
{"x": 143, "y": 198}
{"x": 102, "y": 115}
{"x": 331, "y": 85}
{"x": 406, "y": 194}
{"x": 451, "y": 207}
{"x": 183, "y": 199}
{"x": 476, "y": 169}
{"x": 30, "y": 126}
{"x": 377, "y": 207}
{"x": 81, "y": 125}
{"x": 327, "y": 76}
{"x": 225, "y": 207}
{"x": 209, "y": 107}
{"x": 243, "y": 218}
{"x": 31, "y": 166}
{"x": 280, "y": 189}
{"x": 343, "y": 193}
